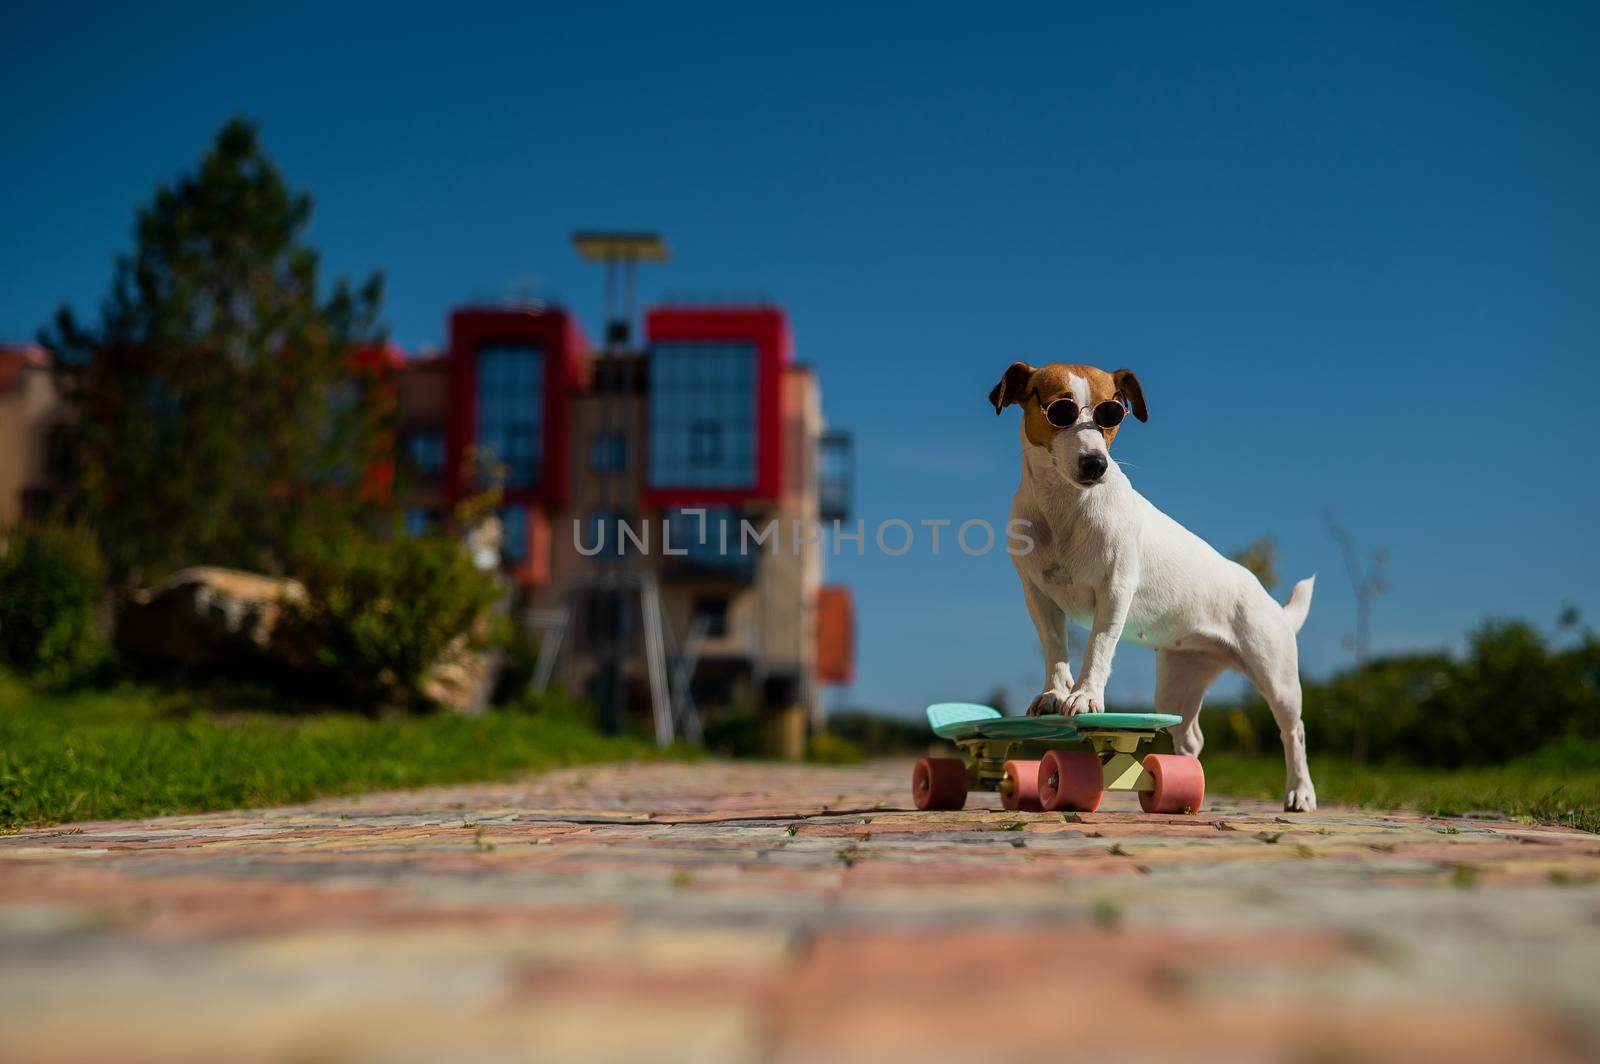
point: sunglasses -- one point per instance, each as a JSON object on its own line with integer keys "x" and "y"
{"x": 1063, "y": 413}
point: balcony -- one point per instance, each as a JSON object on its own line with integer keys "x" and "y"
{"x": 718, "y": 559}
{"x": 835, "y": 476}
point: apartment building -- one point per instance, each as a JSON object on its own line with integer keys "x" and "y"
{"x": 661, "y": 503}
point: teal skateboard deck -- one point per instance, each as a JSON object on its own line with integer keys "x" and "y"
{"x": 1063, "y": 779}
{"x": 967, "y": 720}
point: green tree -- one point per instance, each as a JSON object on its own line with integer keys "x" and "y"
{"x": 379, "y": 614}
{"x": 51, "y": 581}
{"x": 1260, "y": 556}
{"x": 222, "y": 413}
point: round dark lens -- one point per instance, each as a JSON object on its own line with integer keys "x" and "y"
{"x": 1062, "y": 413}
{"x": 1109, "y": 414}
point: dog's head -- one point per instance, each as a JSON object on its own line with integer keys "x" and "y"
{"x": 1073, "y": 412}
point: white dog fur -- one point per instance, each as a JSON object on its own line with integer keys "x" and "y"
{"x": 1108, "y": 560}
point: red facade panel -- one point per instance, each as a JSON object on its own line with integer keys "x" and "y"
{"x": 534, "y": 571}
{"x": 768, "y": 330}
{"x": 836, "y": 657}
{"x": 566, "y": 356}
{"x": 378, "y": 366}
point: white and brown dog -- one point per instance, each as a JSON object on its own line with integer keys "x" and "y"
{"x": 1108, "y": 560}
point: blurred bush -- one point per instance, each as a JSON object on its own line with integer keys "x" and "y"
{"x": 52, "y": 578}
{"x": 828, "y": 748}
{"x": 378, "y": 615}
{"x": 519, "y": 648}
{"x": 875, "y": 734}
{"x": 556, "y": 704}
{"x": 737, "y": 731}
{"x": 1511, "y": 693}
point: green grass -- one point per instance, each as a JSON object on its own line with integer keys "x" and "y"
{"x": 137, "y": 750}
{"x": 1559, "y": 785}
{"x": 141, "y": 750}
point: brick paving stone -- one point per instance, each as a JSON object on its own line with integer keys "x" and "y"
{"x": 715, "y": 911}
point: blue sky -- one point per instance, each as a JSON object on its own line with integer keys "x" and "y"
{"x": 1351, "y": 253}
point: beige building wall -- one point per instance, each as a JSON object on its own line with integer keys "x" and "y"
{"x": 424, "y": 396}
{"x": 30, "y": 408}
{"x": 615, "y": 403}
{"x": 794, "y": 572}
{"x": 770, "y": 615}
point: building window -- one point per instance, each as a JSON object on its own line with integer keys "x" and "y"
{"x": 608, "y": 453}
{"x": 604, "y": 616}
{"x": 720, "y": 551}
{"x": 420, "y": 520}
{"x": 836, "y": 477}
{"x": 713, "y": 609}
{"x": 604, "y": 528}
{"x": 703, "y": 415}
{"x": 705, "y": 444}
{"x": 425, "y": 451}
{"x": 510, "y": 410}
{"x": 514, "y": 534}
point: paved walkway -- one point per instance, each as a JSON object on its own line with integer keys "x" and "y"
{"x": 735, "y": 911}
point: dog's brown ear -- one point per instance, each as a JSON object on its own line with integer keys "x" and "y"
{"x": 1128, "y": 389}
{"x": 1012, "y": 387}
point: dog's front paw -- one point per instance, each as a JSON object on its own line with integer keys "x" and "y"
{"x": 1048, "y": 701}
{"x": 1083, "y": 700}
{"x": 1301, "y": 799}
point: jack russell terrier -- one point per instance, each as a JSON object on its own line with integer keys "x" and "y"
{"x": 1108, "y": 560}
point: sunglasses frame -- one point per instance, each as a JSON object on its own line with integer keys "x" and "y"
{"x": 1077, "y": 411}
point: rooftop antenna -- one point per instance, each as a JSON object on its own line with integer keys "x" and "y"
{"x": 621, "y": 252}
{"x": 616, "y": 582}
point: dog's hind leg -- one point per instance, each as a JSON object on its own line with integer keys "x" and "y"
{"x": 1277, "y": 677}
{"x": 1181, "y": 681}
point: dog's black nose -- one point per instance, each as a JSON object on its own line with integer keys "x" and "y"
{"x": 1092, "y": 466}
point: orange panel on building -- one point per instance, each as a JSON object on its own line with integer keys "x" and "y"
{"x": 836, "y": 637}
{"x": 535, "y": 570}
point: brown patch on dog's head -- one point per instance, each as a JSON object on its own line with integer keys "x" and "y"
{"x": 1128, "y": 389}
{"x": 1013, "y": 386}
{"x": 1034, "y": 389}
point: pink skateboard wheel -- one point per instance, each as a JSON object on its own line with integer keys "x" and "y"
{"x": 1070, "y": 779}
{"x": 1180, "y": 784}
{"x": 939, "y": 783}
{"x": 1021, "y": 788}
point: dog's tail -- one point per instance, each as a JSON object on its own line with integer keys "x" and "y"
{"x": 1299, "y": 603}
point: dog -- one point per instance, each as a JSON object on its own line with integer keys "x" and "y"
{"x": 1107, "y": 560}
